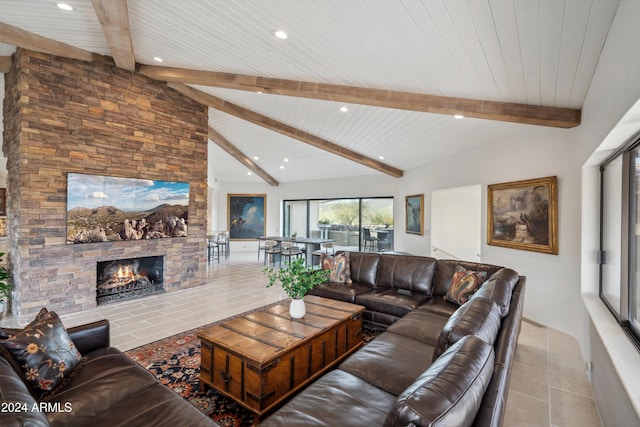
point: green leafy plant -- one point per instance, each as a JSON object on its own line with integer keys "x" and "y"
{"x": 5, "y": 284}
{"x": 295, "y": 278}
{"x": 324, "y": 221}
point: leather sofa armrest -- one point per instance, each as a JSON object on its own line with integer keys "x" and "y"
{"x": 449, "y": 393}
{"x": 91, "y": 336}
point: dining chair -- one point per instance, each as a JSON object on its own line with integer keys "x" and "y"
{"x": 383, "y": 240}
{"x": 261, "y": 247}
{"x": 212, "y": 246}
{"x": 289, "y": 250}
{"x": 369, "y": 241}
{"x": 326, "y": 248}
{"x": 271, "y": 249}
{"x": 223, "y": 243}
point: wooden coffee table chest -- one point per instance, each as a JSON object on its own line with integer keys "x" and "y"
{"x": 261, "y": 359}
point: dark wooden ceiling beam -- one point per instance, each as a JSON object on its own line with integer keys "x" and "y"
{"x": 114, "y": 18}
{"x": 227, "y": 146}
{"x": 28, "y": 40}
{"x": 489, "y": 110}
{"x": 284, "y": 129}
{"x": 5, "y": 64}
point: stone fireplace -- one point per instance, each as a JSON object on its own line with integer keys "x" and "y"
{"x": 63, "y": 115}
{"x": 128, "y": 278}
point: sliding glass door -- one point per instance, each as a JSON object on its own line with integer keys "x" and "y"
{"x": 342, "y": 220}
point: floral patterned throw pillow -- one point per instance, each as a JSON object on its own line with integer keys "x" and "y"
{"x": 339, "y": 267}
{"x": 463, "y": 284}
{"x": 44, "y": 351}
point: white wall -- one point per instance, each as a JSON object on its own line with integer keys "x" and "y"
{"x": 614, "y": 90}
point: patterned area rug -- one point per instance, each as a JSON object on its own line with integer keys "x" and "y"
{"x": 175, "y": 361}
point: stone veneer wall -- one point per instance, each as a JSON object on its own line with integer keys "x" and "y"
{"x": 63, "y": 115}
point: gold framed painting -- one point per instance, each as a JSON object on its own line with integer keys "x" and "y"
{"x": 414, "y": 214}
{"x": 524, "y": 215}
{"x": 246, "y": 216}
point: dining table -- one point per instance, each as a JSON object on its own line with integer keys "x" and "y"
{"x": 311, "y": 243}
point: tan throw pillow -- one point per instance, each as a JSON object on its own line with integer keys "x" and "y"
{"x": 339, "y": 267}
{"x": 463, "y": 284}
{"x": 44, "y": 351}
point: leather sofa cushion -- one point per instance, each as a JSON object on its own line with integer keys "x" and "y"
{"x": 390, "y": 362}
{"x": 440, "y": 306}
{"x": 105, "y": 378}
{"x": 420, "y": 325}
{"x": 340, "y": 291}
{"x": 445, "y": 269}
{"x": 364, "y": 267}
{"x": 499, "y": 288}
{"x": 412, "y": 273}
{"x": 14, "y": 390}
{"x": 155, "y": 405}
{"x": 391, "y": 301}
{"x": 479, "y": 317}
{"x": 449, "y": 393}
{"x": 337, "y": 399}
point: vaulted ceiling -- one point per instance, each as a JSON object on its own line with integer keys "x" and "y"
{"x": 402, "y": 69}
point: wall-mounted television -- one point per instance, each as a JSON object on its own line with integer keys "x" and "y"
{"x": 108, "y": 208}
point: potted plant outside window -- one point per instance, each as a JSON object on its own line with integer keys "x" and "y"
{"x": 296, "y": 280}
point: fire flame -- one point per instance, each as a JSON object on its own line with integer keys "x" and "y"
{"x": 126, "y": 274}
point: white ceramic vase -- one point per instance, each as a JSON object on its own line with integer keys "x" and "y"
{"x": 297, "y": 309}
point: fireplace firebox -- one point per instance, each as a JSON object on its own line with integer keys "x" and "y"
{"x": 129, "y": 278}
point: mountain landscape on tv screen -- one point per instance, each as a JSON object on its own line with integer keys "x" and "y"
{"x": 108, "y": 223}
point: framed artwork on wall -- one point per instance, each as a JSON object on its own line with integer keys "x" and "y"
{"x": 524, "y": 215}
{"x": 246, "y": 216}
{"x": 414, "y": 214}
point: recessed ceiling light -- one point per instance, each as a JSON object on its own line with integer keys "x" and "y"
{"x": 256, "y": 158}
{"x": 158, "y": 59}
{"x": 249, "y": 173}
{"x": 281, "y": 166}
{"x": 381, "y": 157}
{"x": 281, "y": 34}
{"x": 65, "y": 6}
{"x": 459, "y": 116}
{"x": 285, "y": 160}
{"x": 259, "y": 92}
{"x": 344, "y": 109}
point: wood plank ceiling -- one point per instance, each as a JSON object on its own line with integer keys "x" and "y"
{"x": 402, "y": 68}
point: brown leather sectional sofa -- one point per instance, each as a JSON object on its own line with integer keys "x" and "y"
{"x": 437, "y": 363}
{"x": 107, "y": 389}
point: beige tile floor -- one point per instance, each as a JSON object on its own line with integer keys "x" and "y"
{"x": 549, "y": 386}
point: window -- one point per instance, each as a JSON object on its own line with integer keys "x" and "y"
{"x": 342, "y": 220}
{"x": 619, "y": 255}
